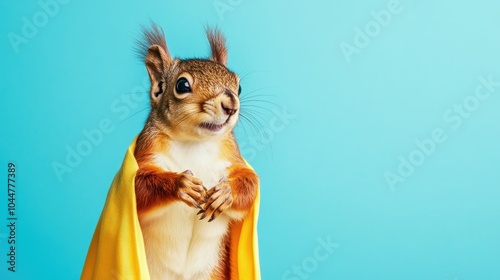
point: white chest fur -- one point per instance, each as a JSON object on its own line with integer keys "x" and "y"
{"x": 178, "y": 245}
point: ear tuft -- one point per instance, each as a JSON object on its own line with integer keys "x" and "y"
{"x": 157, "y": 63}
{"x": 152, "y": 35}
{"x": 152, "y": 49}
{"x": 217, "y": 45}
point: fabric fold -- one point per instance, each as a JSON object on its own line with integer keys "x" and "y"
{"x": 117, "y": 247}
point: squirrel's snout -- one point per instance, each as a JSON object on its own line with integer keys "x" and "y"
{"x": 228, "y": 110}
{"x": 228, "y": 103}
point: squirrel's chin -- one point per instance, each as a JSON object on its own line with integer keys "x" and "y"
{"x": 213, "y": 130}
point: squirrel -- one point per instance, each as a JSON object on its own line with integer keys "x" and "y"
{"x": 192, "y": 181}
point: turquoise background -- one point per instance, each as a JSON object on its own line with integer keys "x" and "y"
{"x": 351, "y": 119}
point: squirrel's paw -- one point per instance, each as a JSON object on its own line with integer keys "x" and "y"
{"x": 218, "y": 199}
{"x": 191, "y": 190}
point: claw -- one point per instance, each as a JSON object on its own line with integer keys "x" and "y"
{"x": 189, "y": 172}
{"x": 203, "y": 216}
{"x": 199, "y": 212}
{"x": 223, "y": 180}
{"x": 212, "y": 218}
{"x": 209, "y": 204}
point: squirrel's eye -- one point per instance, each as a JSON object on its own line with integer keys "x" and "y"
{"x": 182, "y": 86}
{"x": 239, "y": 90}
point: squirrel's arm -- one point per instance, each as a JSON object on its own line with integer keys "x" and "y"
{"x": 154, "y": 187}
{"x": 244, "y": 183}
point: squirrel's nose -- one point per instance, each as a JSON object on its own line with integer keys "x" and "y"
{"x": 228, "y": 103}
{"x": 228, "y": 110}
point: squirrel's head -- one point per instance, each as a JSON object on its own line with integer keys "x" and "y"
{"x": 191, "y": 99}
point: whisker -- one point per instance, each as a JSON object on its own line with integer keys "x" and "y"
{"x": 248, "y": 93}
{"x": 254, "y": 97}
{"x": 251, "y": 113}
{"x": 253, "y": 119}
{"x": 244, "y": 75}
{"x": 243, "y": 125}
{"x": 258, "y": 129}
{"x": 263, "y": 108}
{"x": 254, "y": 125}
{"x": 134, "y": 114}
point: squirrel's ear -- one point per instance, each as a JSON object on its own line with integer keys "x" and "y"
{"x": 217, "y": 45}
{"x": 157, "y": 62}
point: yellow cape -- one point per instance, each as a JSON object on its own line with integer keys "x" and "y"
{"x": 117, "y": 248}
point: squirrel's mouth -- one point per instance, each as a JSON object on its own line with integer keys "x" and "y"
{"x": 214, "y": 127}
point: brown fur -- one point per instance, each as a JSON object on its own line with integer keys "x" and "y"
{"x": 178, "y": 117}
{"x": 218, "y": 46}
